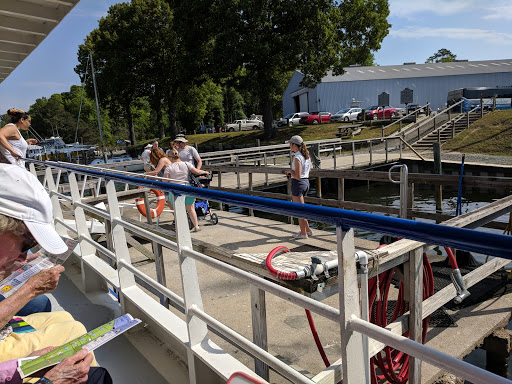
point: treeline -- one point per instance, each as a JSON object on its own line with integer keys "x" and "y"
{"x": 162, "y": 64}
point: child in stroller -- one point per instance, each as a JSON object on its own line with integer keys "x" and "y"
{"x": 202, "y": 207}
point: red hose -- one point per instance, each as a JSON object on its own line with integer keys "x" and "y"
{"x": 317, "y": 339}
{"x": 389, "y": 364}
{"x": 280, "y": 275}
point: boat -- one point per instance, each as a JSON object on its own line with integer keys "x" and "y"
{"x": 122, "y": 160}
{"x": 54, "y": 148}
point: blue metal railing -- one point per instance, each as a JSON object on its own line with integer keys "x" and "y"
{"x": 459, "y": 238}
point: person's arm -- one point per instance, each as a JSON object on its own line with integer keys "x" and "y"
{"x": 42, "y": 282}
{"x": 197, "y": 171}
{"x": 161, "y": 163}
{"x": 6, "y": 133}
{"x": 31, "y": 141}
{"x": 298, "y": 169}
{"x": 198, "y": 161}
{"x": 9, "y": 373}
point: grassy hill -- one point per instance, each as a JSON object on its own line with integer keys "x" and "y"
{"x": 308, "y": 133}
{"x": 491, "y": 135}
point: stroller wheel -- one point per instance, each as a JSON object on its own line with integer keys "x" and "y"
{"x": 215, "y": 218}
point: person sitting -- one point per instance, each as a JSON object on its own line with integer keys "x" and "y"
{"x": 26, "y": 220}
{"x": 178, "y": 172}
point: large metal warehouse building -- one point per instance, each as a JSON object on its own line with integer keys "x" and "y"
{"x": 429, "y": 82}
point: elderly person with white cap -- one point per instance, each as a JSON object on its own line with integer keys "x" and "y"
{"x": 26, "y": 220}
{"x": 299, "y": 174}
{"x": 145, "y": 158}
{"x": 187, "y": 153}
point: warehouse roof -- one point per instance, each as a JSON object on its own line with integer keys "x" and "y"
{"x": 409, "y": 70}
{"x": 24, "y": 24}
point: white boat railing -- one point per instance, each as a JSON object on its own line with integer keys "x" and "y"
{"x": 190, "y": 338}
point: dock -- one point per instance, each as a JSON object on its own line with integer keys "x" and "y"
{"x": 243, "y": 241}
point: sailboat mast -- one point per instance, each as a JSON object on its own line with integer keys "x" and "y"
{"x": 97, "y": 108}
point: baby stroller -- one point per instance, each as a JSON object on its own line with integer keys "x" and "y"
{"x": 202, "y": 207}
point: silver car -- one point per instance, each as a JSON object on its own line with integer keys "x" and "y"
{"x": 293, "y": 119}
{"x": 346, "y": 114}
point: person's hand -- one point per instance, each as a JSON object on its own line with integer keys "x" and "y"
{"x": 41, "y": 352}
{"x": 46, "y": 280}
{"x": 15, "y": 154}
{"x": 31, "y": 141}
{"x": 71, "y": 370}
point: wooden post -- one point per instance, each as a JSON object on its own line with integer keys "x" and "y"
{"x": 386, "y": 146}
{"x": 341, "y": 189}
{"x": 237, "y": 162}
{"x": 334, "y": 154}
{"x": 353, "y": 155}
{"x": 438, "y": 170}
{"x": 219, "y": 184}
{"x": 453, "y": 129}
{"x": 148, "y": 210}
{"x": 251, "y": 211}
{"x": 259, "y": 328}
{"x": 467, "y": 119}
{"x": 160, "y": 271}
{"x": 318, "y": 181}
{"x": 265, "y": 163}
{"x": 410, "y": 200}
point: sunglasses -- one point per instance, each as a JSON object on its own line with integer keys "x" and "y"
{"x": 30, "y": 243}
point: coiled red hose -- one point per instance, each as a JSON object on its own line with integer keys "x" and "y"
{"x": 389, "y": 364}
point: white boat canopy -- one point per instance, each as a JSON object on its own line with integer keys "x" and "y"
{"x": 24, "y": 24}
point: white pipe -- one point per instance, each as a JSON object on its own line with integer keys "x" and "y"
{"x": 442, "y": 360}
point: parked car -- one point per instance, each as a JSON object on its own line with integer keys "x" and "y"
{"x": 293, "y": 118}
{"x": 346, "y": 114}
{"x": 244, "y": 124}
{"x": 376, "y": 112}
{"x": 316, "y": 118}
{"x": 206, "y": 129}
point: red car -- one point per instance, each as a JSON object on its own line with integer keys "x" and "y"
{"x": 316, "y": 118}
{"x": 376, "y": 112}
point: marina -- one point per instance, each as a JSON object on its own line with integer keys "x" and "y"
{"x": 250, "y": 239}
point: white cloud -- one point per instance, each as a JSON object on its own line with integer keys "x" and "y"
{"x": 501, "y": 9}
{"x": 406, "y": 8}
{"x": 501, "y": 12}
{"x": 453, "y": 33}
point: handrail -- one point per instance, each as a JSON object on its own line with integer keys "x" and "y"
{"x": 348, "y": 314}
{"x": 459, "y": 238}
{"x": 408, "y": 115}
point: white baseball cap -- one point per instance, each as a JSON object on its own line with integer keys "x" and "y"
{"x": 295, "y": 140}
{"x": 23, "y": 197}
{"x": 148, "y": 146}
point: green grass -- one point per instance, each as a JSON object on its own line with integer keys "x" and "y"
{"x": 491, "y": 135}
{"x": 307, "y": 132}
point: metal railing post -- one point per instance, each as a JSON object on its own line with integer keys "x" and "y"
{"x": 126, "y": 278}
{"x": 197, "y": 330}
{"x": 351, "y": 342}
{"x": 371, "y": 152}
{"x": 334, "y": 154}
{"x": 91, "y": 281}
{"x": 57, "y": 210}
{"x": 266, "y": 164}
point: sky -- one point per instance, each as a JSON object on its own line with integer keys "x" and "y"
{"x": 471, "y": 29}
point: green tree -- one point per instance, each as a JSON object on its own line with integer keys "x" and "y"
{"x": 442, "y": 56}
{"x": 269, "y": 39}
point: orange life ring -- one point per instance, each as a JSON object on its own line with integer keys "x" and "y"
{"x": 155, "y": 212}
